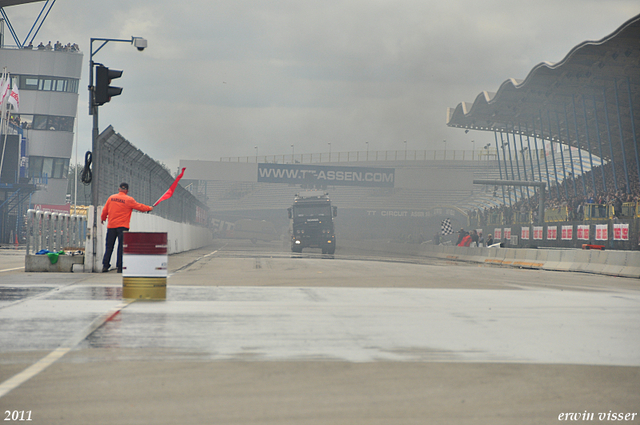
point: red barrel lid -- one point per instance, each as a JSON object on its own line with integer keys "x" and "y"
{"x": 146, "y": 243}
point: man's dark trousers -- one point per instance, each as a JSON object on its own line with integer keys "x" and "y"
{"x": 112, "y": 235}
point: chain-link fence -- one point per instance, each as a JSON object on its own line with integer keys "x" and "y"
{"x": 119, "y": 161}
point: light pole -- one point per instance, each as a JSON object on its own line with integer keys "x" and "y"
{"x": 445, "y": 149}
{"x": 256, "y": 148}
{"x": 474, "y": 150}
{"x": 405, "y": 150}
{"x": 292, "y": 155}
{"x": 329, "y": 151}
{"x": 140, "y": 44}
{"x": 367, "y": 143}
{"x": 486, "y": 147}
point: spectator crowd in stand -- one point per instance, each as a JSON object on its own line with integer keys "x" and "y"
{"x": 58, "y": 47}
{"x": 563, "y": 195}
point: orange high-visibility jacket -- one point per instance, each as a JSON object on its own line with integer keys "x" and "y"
{"x": 118, "y": 208}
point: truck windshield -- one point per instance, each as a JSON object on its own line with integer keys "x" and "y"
{"x": 312, "y": 211}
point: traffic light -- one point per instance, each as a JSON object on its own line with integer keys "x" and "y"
{"x": 103, "y": 91}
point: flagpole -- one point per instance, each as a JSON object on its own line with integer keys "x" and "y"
{"x": 5, "y": 130}
{"x": 4, "y": 144}
{"x": 75, "y": 180}
{"x": 4, "y": 76}
{"x": 3, "y": 121}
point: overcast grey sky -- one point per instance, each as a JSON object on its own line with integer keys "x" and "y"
{"x": 219, "y": 78}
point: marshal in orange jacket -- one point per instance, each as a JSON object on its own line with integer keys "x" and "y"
{"x": 118, "y": 209}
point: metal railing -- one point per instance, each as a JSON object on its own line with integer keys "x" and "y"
{"x": 556, "y": 214}
{"x": 604, "y": 211}
{"x": 597, "y": 211}
{"x": 523, "y": 217}
{"x": 360, "y": 156}
{"x": 495, "y": 218}
{"x": 630, "y": 209}
{"x": 591, "y": 212}
{"x": 54, "y": 231}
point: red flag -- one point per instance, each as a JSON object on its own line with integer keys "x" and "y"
{"x": 169, "y": 193}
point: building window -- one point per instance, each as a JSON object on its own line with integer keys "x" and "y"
{"x": 42, "y": 83}
{"x": 59, "y": 167}
{"x": 47, "y": 167}
{"x": 40, "y": 122}
{"x": 28, "y": 83}
{"x": 43, "y": 122}
{"x": 56, "y": 168}
{"x": 35, "y": 166}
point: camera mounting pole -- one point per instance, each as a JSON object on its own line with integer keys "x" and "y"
{"x": 140, "y": 43}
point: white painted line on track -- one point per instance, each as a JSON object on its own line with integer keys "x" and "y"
{"x": 10, "y": 270}
{"x": 195, "y": 261}
{"x": 22, "y": 377}
{"x": 42, "y": 295}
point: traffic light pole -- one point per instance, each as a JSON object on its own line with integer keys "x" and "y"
{"x": 140, "y": 44}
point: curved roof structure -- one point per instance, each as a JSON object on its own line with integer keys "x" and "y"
{"x": 590, "y": 99}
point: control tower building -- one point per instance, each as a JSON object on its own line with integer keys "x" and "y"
{"x": 38, "y": 137}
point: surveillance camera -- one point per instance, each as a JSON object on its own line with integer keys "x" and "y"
{"x": 139, "y": 43}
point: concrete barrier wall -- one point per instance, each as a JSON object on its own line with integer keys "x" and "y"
{"x": 181, "y": 236}
{"x": 42, "y": 263}
{"x": 613, "y": 263}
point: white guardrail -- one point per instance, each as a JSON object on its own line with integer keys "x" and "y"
{"x": 57, "y": 232}
{"x": 54, "y": 231}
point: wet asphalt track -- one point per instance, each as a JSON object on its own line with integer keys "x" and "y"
{"x": 301, "y": 319}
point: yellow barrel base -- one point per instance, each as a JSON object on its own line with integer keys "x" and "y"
{"x": 144, "y": 288}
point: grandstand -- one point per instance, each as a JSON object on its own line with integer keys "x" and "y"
{"x": 588, "y": 105}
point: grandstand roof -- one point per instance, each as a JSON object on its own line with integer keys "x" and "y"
{"x": 596, "y": 83}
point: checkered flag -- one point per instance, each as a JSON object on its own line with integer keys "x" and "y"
{"x": 446, "y": 228}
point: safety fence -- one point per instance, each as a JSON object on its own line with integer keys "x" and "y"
{"x": 119, "y": 161}
{"x": 55, "y": 232}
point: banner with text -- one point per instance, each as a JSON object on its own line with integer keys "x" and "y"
{"x": 583, "y": 232}
{"x": 324, "y": 175}
{"x": 621, "y": 232}
{"x": 538, "y": 233}
{"x": 567, "y": 233}
{"x": 602, "y": 232}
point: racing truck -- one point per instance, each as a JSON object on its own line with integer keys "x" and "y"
{"x": 311, "y": 222}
